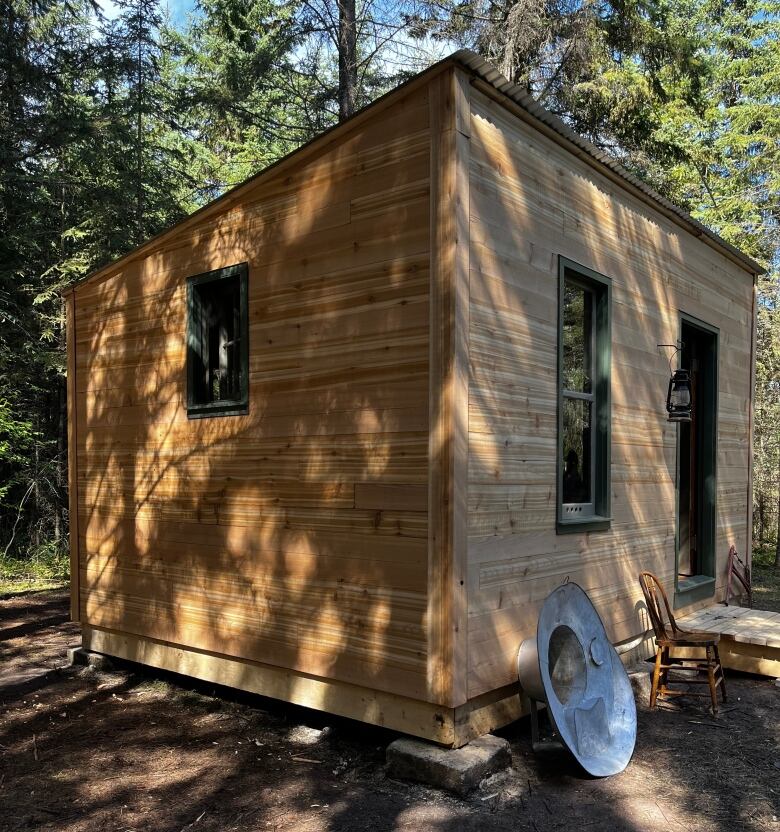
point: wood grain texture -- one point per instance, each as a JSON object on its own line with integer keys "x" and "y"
{"x": 448, "y": 441}
{"x": 380, "y": 526}
{"x": 748, "y": 554}
{"x": 295, "y": 535}
{"x": 393, "y": 711}
{"x": 446, "y": 726}
{"x": 531, "y": 201}
{"x": 409, "y": 497}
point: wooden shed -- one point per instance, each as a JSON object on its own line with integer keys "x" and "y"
{"x": 336, "y": 436}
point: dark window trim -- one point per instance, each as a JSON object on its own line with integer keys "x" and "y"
{"x": 602, "y": 364}
{"x": 233, "y": 407}
{"x": 701, "y": 586}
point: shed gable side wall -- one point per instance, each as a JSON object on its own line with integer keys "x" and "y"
{"x": 531, "y": 201}
{"x": 295, "y": 535}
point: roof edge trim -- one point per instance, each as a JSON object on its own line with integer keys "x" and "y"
{"x": 589, "y": 153}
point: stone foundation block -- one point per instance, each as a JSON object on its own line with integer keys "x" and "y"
{"x": 457, "y": 770}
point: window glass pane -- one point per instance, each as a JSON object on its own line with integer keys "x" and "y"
{"x": 576, "y": 450}
{"x": 216, "y": 346}
{"x": 223, "y": 339}
{"x": 577, "y": 322}
{"x": 217, "y": 304}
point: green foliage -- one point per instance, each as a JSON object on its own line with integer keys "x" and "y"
{"x": 112, "y": 129}
{"x": 44, "y": 567}
{"x": 236, "y": 82}
{"x": 766, "y": 579}
{"x": 617, "y": 72}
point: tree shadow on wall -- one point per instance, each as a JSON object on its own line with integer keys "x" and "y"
{"x": 249, "y": 536}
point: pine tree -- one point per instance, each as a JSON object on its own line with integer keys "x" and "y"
{"x": 42, "y": 51}
{"x": 616, "y": 72}
{"x": 354, "y": 52}
{"x": 730, "y": 177}
{"x": 141, "y": 111}
{"x": 235, "y": 90}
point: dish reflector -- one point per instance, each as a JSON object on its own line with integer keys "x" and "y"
{"x": 572, "y": 666}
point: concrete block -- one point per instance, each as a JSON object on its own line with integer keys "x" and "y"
{"x": 641, "y": 682}
{"x": 457, "y": 770}
{"x": 75, "y": 656}
{"x": 304, "y": 735}
{"x": 97, "y": 661}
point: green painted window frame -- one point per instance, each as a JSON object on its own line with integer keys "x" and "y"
{"x": 701, "y": 586}
{"x": 601, "y": 287}
{"x": 227, "y": 407}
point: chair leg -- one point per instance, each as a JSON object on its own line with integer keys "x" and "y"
{"x": 722, "y": 675}
{"x": 656, "y": 674}
{"x": 711, "y": 680}
{"x": 666, "y": 660}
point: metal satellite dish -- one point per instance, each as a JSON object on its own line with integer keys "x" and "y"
{"x": 573, "y": 668}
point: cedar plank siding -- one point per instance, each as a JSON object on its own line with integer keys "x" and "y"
{"x": 376, "y": 536}
{"x": 531, "y": 201}
{"x": 295, "y": 535}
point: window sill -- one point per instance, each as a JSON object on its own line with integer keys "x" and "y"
{"x": 586, "y": 524}
{"x": 203, "y": 411}
{"x": 695, "y": 588}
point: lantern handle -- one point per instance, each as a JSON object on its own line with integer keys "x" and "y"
{"x": 678, "y": 346}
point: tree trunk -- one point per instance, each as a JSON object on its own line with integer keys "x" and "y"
{"x": 62, "y": 439}
{"x": 347, "y": 58}
{"x": 139, "y": 203}
{"x": 60, "y": 467}
{"x": 777, "y": 541}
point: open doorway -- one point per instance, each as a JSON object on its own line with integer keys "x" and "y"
{"x": 697, "y": 453}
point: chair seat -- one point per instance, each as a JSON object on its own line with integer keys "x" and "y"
{"x": 684, "y": 638}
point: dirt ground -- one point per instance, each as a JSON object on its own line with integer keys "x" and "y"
{"x": 141, "y": 750}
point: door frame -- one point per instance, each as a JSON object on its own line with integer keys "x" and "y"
{"x": 701, "y": 586}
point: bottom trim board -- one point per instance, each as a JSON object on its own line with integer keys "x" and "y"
{"x": 445, "y": 726}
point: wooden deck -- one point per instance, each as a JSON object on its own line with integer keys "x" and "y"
{"x": 750, "y": 639}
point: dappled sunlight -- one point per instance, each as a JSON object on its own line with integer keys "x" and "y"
{"x": 152, "y": 749}
{"x": 531, "y": 201}
{"x": 296, "y": 538}
{"x": 294, "y": 535}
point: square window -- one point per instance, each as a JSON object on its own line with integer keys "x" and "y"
{"x": 217, "y": 343}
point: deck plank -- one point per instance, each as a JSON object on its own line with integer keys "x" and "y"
{"x": 750, "y": 639}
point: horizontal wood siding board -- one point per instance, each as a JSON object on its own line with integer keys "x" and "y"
{"x": 532, "y": 201}
{"x": 401, "y": 497}
{"x": 446, "y": 726}
{"x": 295, "y": 534}
{"x": 398, "y": 713}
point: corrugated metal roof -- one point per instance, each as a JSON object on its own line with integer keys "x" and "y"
{"x": 488, "y": 73}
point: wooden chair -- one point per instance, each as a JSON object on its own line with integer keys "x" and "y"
{"x": 668, "y": 636}
{"x": 737, "y": 568}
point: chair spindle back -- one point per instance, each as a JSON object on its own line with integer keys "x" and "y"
{"x": 654, "y": 594}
